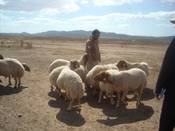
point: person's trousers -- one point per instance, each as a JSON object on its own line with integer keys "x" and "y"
{"x": 90, "y": 64}
{"x": 167, "y": 118}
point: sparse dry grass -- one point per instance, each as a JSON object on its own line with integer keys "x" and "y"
{"x": 34, "y": 108}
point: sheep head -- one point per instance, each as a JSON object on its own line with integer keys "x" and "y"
{"x": 26, "y": 67}
{"x": 122, "y": 64}
{"x": 74, "y": 64}
{"x": 103, "y": 77}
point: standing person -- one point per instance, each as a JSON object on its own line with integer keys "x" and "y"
{"x": 92, "y": 50}
{"x": 166, "y": 85}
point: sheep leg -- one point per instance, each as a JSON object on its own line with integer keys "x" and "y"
{"x": 139, "y": 93}
{"x": 9, "y": 81}
{"x": 58, "y": 90}
{"x": 70, "y": 105}
{"x": 118, "y": 100}
{"x": 19, "y": 82}
{"x": 94, "y": 92}
{"x": 15, "y": 82}
{"x": 100, "y": 96}
{"x": 79, "y": 103}
{"x": 123, "y": 97}
{"x": 112, "y": 100}
{"x": 79, "y": 106}
{"x": 67, "y": 96}
{"x": 51, "y": 88}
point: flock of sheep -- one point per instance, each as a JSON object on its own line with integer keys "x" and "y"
{"x": 71, "y": 79}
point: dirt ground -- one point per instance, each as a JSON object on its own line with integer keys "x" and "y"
{"x": 34, "y": 108}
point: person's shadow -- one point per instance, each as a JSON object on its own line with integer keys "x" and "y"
{"x": 124, "y": 115}
{"x": 71, "y": 118}
{"x": 8, "y": 90}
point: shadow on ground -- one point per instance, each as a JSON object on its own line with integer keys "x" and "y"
{"x": 119, "y": 116}
{"x": 8, "y": 90}
{"x": 125, "y": 116}
{"x": 147, "y": 94}
{"x": 71, "y": 118}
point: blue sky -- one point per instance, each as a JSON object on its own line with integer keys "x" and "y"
{"x": 134, "y": 17}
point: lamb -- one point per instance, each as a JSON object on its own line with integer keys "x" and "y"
{"x": 71, "y": 82}
{"x": 133, "y": 80}
{"x": 56, "y": 72}
{"x": 125, "y": 65}
{"x": 106, "y": 88}
{"x": 13, "y": 68}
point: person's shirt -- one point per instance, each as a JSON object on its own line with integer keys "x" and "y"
{"x": 92, "y": 50}
{"x": 166, "y": 77}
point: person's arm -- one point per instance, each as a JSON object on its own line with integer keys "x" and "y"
{"x": 99, "y": 56}
{"x": 167, "y": 69}
{"x": 88, "y": 49}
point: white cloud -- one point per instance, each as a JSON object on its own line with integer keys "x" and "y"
{"x": 114, "y": 2}
{"x": 168, "y": 1}
{"x": 2, "y": 2}
{"x": 125, "y": 16}
{"x": 115, "y": 22}
{"x": 84, "y": 1}
{"x": 37, "y": 5}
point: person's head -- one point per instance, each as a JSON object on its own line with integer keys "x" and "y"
{"x": 95, "y": 34}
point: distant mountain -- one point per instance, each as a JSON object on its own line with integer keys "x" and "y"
{"x": 82, "y": 34}
{"x": 15, "y": 34}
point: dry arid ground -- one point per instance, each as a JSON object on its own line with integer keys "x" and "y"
{"x": 35, "y": 108}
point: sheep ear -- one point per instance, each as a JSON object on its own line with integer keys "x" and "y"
{"x": 1, "y": 56}
{"x": 104, "y": 76}
{"x": 99, "y": 76}
{"x": 120, "y": 64}
{"x": 125, "y": 64}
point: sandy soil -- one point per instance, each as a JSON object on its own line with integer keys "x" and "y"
{"x": 35, "y": 108}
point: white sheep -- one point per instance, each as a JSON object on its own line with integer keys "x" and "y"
{"x": 126, "y": 65}
{"x": 133, "y": 80}
{"x": 94, "y": 71}
{"x": 71, "y": 82}
{"x": 57, "y": 63}
{"x": 56, "y": 72}
{"x": 5, "y": 70}
{"x": 13, "y": 68}
{"x": 62, "y": 62}
{"x": 106, "y": 88}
